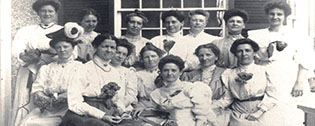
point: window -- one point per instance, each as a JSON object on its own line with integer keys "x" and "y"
{"x": 154, "y": 8}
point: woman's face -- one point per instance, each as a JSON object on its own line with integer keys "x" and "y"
{"x": 64, "y": 50}
{"x": 206, "y": 57}
{"x": 197, "y": 22}
{"x": 276, "y": 17}
{"x": 170, "y": 72}
{"x": 173, "y": 25}
{"x": 150, "y": 59}
{"x": 89, "y": 23}
{"x": 120, "y": 55}
{"x": 134, "y": 25}
{"x": 106, "y": 49}
{"x": 235, "y": 25}
{"x": 245, "y": 54}
{"x": 47, "y": 14}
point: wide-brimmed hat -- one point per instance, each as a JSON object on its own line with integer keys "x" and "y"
{"x": 238, "y": 42}
{"x": 69, "y": 33}
{"x": 39, "y": 3}
{"x": 236, "y": 12}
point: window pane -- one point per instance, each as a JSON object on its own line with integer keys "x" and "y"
{"x": 130, "y": 4}
{"x": 213, "y": 20}
{"x": 171, "y": 3}
{"x": 215, "y": 32}
{"x": 210, "y": 3}
{"x": 150, "y": 3}
{"x": 192, "y": 3}
{"x": 149, "y": 34}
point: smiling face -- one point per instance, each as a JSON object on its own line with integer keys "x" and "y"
{"x": 170, "y": 73}
{"x": 197, "y": 23}
{"x": 64, "y": 50}
{"x": 89, "y": 23}
{"x": 134, "y": 25}
{"x": 120, "y": 55}
{"x": 47, "y": 14}
{"x": 206, "y": 57}
{"x": 173, "y": 25}
{"x": 276, "y": 17}
{"x": 150, "y": 59}
{"x": 235, "y": 25}
{"x": 106, "y": 49}
{"x": 245, "y": 54}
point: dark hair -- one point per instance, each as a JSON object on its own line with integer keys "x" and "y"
{"x": 138, "y": 14}
{"x": 179, "y": 15}
{"x": 199, "y": 11}
{"x": 101, "y": 37}
{"x": 125, "y": 43}
{"x": 172, "y": 59}
{"x": 151, "y": 47}
{"x": 238, "y": 42}
{"x": 39, "y": 3}
{"x": 211, "y": 46}
{"x": 89, "y": 11}
{"x": 278, "y": 4}
{"x": 235, "y": 12}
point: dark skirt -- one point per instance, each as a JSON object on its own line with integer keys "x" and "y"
{"x": 73, "y": 119}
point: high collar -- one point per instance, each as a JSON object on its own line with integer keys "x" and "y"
{"x": 65, "y": 62}
{"x": 177, "y": 34}
{"x": 245, "y": 67}
{"x": 46, "y": 26}
{"x": 234, "y": 37}
{"x": 210, "y": 68}
{"x": 151, "y": 71}
{"x": 195, "y": 35}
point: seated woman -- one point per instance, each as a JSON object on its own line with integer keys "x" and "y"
{"x": 188, "y": 103}
{"x": 250, "y": 94}
{"x": 124, "y": 50}
{"x": 86, "y": 104}
{"x": 149, "y": 56}
{"x": 210, "y": 74}
{"x": 50, "y": 86}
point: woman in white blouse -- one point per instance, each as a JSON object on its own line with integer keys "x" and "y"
{"x": 28, "y": 39}
{"x": 50, "y": 87}
{"x": 187, "y": 103}
{"x": 250, "y": 94}
{"x": 87, "y": 88}
{"x": 89, "y": 19}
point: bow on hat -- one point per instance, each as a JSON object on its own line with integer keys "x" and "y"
{"x": 70, "y": 33}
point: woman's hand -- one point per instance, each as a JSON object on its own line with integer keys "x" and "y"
{"x": 112, "y": 119}
{"x": 137, "y": 112}
{"x": 255, "y": 116}
{"x": 41, "y": 100}
{"x": 297, "y": 89}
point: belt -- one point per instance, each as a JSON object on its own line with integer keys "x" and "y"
{"x": 251, "y": 99}
{"x": 93, "y": 99}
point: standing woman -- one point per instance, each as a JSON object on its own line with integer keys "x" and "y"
{"x": 172, "y": 42}
{"x": 250, "y": 94}
{"x": 31, "y": 48}
{"x": 86, "y": 105}
{"x": 188, "y": 103}
{"x": 235, "y": 20}
{"x": 150, "y": 56}
{"x": 288, "y": 56}
{"x": 89, "y": 19}
{"x": 50, "y": 87}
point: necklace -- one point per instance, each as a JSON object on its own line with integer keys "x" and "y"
{"x": 106, "y": 69}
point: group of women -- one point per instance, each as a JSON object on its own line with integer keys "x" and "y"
{"x": 74, "y": 76}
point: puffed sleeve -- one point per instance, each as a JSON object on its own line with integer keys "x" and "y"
{"x": 19, "y": 43}
{"x": 75, "y": 96}
{"x": 270, "y": 99}
{"x": 39, "y": 83}
{"x": 200, "y": 95}
{"x": 305, "y": 53}
{"x": 227, "y": 98}
{"x": 131, "y": 87}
